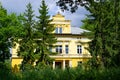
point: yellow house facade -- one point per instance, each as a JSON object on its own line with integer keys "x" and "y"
{"x": 70, "y": 45}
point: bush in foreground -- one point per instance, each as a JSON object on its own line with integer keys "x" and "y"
{"x": 59, "y": 74}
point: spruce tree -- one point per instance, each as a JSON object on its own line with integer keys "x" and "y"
{"x": 88, "y": 25}
{"x": 26, "y": 42}
{"x": 116, "y": 43}
{"x": 104, "y": 43}
{"x": 100, "y": 47}
{"x": 104, "y": 14}
{"x": 46, "y": 38}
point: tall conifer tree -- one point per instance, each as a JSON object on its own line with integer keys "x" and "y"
{"x": 44, "y": 30}
{"x": 103, "y": 34}
{"x": 27, "y": 45}
{"x": 116, "y": 38}
{"x": 105, "y": 43}
{"x": 105, "y": 16}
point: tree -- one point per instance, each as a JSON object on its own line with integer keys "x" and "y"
{"x": 88, "y": 25}
{"x": 26, "y": 41}
{"x": 106, "y": 33}
{"x": 73, "y": 5}
{"x": 104, "y": 14}
{"x": 116, "y": 23}
{"x": 9, "y": 25}
{"x": 46, "y": 38}
{"x": 100, "y": 45}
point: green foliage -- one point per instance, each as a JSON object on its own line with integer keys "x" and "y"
{"x": 59, "y": 74}
{"x": 103, "y": 23}
{"x": 88, "y": 25}
{"x": 36, "y": 37}
{"x": 5, "y": 69}
{"x": 44, "y": 35}
{"x": 26, "y": 41}
{"x": 9, "y": 25}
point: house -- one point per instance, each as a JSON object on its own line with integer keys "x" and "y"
{"x": 70, "y": 44}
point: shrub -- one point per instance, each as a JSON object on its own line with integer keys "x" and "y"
{"x": 47, "y": 73}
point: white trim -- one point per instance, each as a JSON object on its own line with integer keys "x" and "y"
{"x": 71, "y": 56}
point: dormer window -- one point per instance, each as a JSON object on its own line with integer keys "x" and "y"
{"x": 58, "y": 30}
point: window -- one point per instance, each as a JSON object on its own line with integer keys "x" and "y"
{"x": 66, "y": 49}
{"x": 58, "y": 30}
{"x": 79, "y": 49}
{"x": 59, "y": 49}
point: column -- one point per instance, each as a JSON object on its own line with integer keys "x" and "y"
{"x": 70, "y": 63}
{"x": 53, "y": 64}
{"x": 63, "y": 64}
{"x": 63, "y": 47}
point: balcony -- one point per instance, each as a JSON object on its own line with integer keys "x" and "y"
{"x": 71, "y": 56}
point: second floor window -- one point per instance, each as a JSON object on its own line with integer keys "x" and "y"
{"x": 58, "y": 30}
{"x": 79, "y": 49}
{"x": 59, "y": 49}
{"x": 66, "y": 49}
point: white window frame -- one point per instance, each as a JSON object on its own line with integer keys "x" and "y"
{"x": 58, "y": 30}
{"x": 79, "y": 49}
{"x": 66, "y": 49}
{"x": 59, "y": 48}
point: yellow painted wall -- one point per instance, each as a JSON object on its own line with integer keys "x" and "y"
{"x": 75, "y": 62}
{"x": 16, "y": 61}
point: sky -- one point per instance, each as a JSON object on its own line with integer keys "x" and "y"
{"x": 19, "y": 6}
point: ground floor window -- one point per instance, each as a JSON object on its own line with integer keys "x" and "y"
{"x": 79, "y": 63}
{"x": 58, "y": 65}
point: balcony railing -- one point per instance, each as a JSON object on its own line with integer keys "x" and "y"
{"x": 65, "y": 56}
{"x": 71, "y": 56}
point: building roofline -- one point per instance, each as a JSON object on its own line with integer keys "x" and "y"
{"x": 58, "y": 14}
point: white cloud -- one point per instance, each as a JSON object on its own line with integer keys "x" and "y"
{"x": 19, "y": 6}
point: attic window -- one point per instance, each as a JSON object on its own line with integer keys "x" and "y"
{"x": 58, "y": 30}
